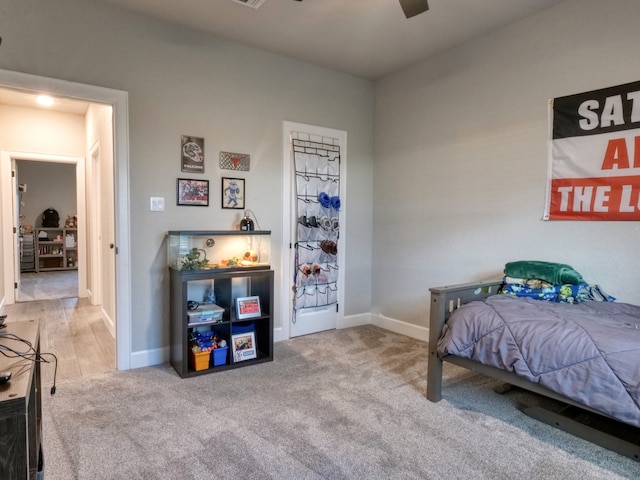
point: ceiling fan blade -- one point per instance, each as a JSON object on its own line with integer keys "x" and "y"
{"x": 411, "y": 8}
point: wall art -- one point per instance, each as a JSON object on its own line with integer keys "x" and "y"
{"x": 192, "y": 192}
{"x": 233, "y": 193}
{"x": 192, "y": 156}
{"x": 235, "y": 161}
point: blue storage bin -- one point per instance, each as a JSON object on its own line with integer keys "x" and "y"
{"x": 219, "y": 356}
{"x": 246, "y": 328}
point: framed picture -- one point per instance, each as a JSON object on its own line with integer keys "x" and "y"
{"x": 247, "y": 307}
{"x": 233, "y": 193}
{"x": 192, "y": 156}
{"x": 244, "y": 346}
{"x": 192, "y": 192}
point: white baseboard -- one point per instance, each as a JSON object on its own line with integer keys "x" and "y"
{"x": 356, "y": 320}
{"x": 278, "y": 334}
{"x": 147, "y": 358}
{"x": 403, "y": 328}
{"x": 391, "y": 324}
{"x": 108, "y": 322}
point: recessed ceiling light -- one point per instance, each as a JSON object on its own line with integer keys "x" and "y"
{"x": 44, "y": 100}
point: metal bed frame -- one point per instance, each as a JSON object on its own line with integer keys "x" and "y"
{"x": 576, "y": 418}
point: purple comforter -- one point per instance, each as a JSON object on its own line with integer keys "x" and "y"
{"x": 589, "y": 352}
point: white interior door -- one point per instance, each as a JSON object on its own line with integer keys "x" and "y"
{"x": 16, "y": 224}
{"x": 313, "y": 273}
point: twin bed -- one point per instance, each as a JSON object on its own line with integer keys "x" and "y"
{"x": 585, "y": 355}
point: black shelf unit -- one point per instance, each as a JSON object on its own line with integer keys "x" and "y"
{"x": 228, "y": 284}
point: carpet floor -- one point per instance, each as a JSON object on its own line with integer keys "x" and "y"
{"x": 345, "y": 404}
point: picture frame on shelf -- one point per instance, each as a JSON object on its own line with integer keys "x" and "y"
{"x": 233, "y": 193}
{"x": 248, "y": 307}
{"x": 192, "y": 192}
{"x": 244, "y": 346}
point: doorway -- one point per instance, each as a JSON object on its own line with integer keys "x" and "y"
{"x": 314, "y": 167}
{"x": 50, "y": 260}
{"x": 117, "y": 238}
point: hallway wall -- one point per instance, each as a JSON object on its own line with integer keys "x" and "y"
{"x": 37, "y": 131}
{"x": 49, "y": 185}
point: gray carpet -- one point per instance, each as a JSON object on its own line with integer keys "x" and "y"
{"x": 347, "y": 404}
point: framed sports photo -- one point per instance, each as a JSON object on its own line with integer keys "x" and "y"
{"x": 247, "y": 307}
{"x": 244, "y": 346}
{"x": 192, "y": 192}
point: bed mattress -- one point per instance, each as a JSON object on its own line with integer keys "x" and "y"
{"x": 589, "y": 352}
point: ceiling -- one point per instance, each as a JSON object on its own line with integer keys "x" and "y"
{"x": 366, "y": 38}
{"x": 24, "y": 99}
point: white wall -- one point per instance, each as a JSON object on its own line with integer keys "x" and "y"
{"x": 25, "y": 129}
{"x": 461, "y": 158}
{"x": 183, "y": 82}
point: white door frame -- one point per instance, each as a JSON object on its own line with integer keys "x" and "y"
{"x": 288, "y": 242}
{"x": 93, "y": 173}
{"x": 120, "y": 103}
{"x": 7, "y": 161}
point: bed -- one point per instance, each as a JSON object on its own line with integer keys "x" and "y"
{"x": 583, "y": 391}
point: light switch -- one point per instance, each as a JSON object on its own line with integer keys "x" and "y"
{"x": 156, "y": 204}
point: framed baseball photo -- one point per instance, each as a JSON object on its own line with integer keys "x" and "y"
{"x": 244, "y": 346}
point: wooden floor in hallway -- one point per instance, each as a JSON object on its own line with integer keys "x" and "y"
{"x": 72, "y": 329}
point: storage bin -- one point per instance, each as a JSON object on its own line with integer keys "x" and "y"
{"x": 208, "y": 312}
{"x": 219, "y": 356}
{"x": 51, "y": 263}
{"x": 244, "y": 328}
{"x": 199, "y": 361}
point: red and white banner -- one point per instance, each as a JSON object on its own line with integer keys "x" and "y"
{"x": 594, "y": 155}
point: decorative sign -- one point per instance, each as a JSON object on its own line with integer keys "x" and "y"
{"x": 192, "y": 154}
{"x": 594, "y": 155}
{"x": 235, "y": 161}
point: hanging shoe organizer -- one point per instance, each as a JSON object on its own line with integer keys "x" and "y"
{"x": 317, "y": 168}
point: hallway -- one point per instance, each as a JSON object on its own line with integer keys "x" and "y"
{"x": 73, "y": 330}
{"x": 47, "y": 285}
